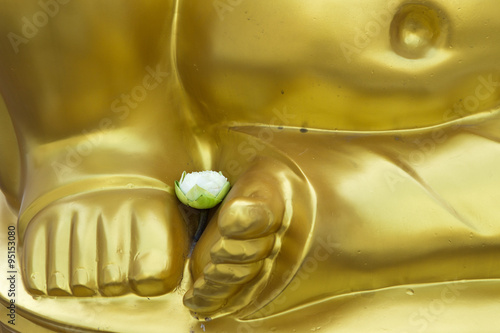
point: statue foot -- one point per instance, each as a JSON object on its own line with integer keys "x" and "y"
{"x": 110, "y": 242}
{"x": 244, "y": 242}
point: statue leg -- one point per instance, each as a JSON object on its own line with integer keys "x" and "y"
{"x": 90, "y": 91}
{"x": 415, "y": 222}
{"x": 415, "y": 209}
{"x": 9, "y": 158}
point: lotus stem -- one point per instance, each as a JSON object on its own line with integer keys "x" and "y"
{"x": 202, "y": 224}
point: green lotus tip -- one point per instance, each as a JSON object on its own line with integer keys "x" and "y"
{"x": 202, "y": 190}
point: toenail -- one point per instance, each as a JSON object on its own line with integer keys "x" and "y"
{"x": 201, "y": 304}
{"x": 80, "y": 277}
{"x": 232, "y": 273}
{"x": 208, "y": 289}
{"x": 150, "y": 264}
{"x": 112, "y": 273}
{"x": 57, "y": 280}
{"x": 241, "y": 251}
{"x": 36, "y": 284}
{"x": 58, "y": 286}
{"x": 246, "y": 221}
{"x": 112, "y": 283}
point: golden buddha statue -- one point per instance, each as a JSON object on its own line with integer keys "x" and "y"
{"x": 361, "y": 138}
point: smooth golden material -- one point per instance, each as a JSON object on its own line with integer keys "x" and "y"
{"x": 361, "y": 138}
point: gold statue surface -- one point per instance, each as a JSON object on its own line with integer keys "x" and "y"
{"x": 361, "y": 138}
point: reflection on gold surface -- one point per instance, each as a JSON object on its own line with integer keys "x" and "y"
{"x": 361, "y": 138}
